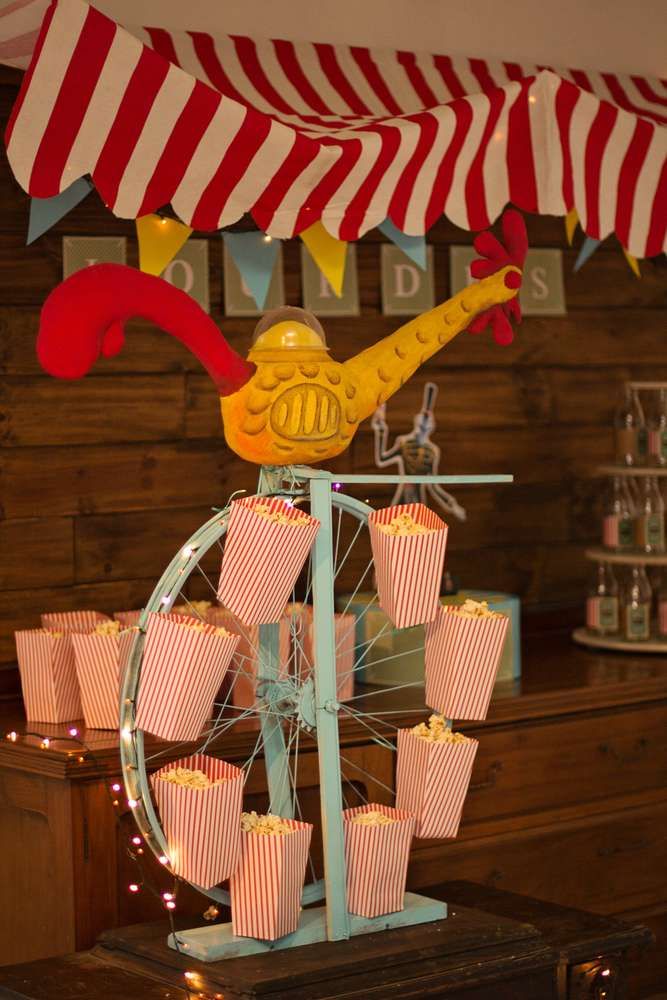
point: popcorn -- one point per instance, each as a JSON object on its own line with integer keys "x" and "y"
{"x": 279, "y": 516}
{"x": 265, "y": 823}
{"x": 437, "y": 732}
{"x": 475, "y": 609}
{"x": 108, "y": 628}
{"x": 190, "y": 778}
{"x": 373, "y": 818}
{"x": 404, "y": 524}
{"x": 201, "y": 627}
{"x": 192, "y": 608}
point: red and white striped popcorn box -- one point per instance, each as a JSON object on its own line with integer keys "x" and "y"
{"x": 262, "y": 559}
{"x": 266, "y": 887}
{"x": 202, "y": 825}
{"x": 245, "y": 661}
{"x": 127, "y": 619}
{"x": 376, "y": 860}
{"x": 461, "y": 661}
{"x": 48, "y": 676}
{"x": 72, "y": 621}
{"x": 98, "y": 661}
{"x": 408, "y": 567}
{"x": 345, "y": 641}
{"x": 181, "y": 671}
{"x": 432, "y": 779}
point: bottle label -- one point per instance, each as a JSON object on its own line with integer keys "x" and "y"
{"x": 610, "y": 531}
{"x": 642, "y": 442}
{"x": 602, "y": 614}
{"x": 651, "y": 532}
{"x": 626, "y": 534}
{"x": 637, "y": 621}
{"x": 662, "y": 617}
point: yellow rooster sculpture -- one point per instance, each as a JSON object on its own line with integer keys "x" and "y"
{"x": 289, "y": 402}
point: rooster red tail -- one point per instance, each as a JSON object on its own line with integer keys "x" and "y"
{"x": 84, "y": 317}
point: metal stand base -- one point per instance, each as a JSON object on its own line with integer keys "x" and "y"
{"x": 210, "y": 944}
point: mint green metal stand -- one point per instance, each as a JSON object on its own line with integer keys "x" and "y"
{"x": 332, "y": 922}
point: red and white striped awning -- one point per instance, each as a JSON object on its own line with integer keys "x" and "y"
{"x": 296, "y": 132}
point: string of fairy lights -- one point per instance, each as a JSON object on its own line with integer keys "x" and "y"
{"x": 194, "y": 982}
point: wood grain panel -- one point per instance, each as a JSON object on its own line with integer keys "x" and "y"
{"x": 36, "y": 552}
{"x": 94, "y": 410}
{"x": 94, "y": 478}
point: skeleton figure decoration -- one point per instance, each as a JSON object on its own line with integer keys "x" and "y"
{"x": 415, "y": 454}
{"x": 289, "y": 402}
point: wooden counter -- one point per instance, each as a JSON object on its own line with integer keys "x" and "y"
{"x": 568, "y": 803}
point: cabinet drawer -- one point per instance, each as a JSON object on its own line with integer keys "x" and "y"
{"x": 608, "y": 863}
{"x": 546, "y": 766}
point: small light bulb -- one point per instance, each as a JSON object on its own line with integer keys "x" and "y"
{"x": 532, "y": 99}
{"x": 267, "y": 238}
{"x": 74, "y": 731}
{"x": 136, "y": 840}
{"x": 81, "y": 760}
{"x": 190, "y": 975}
{"x": 187, "y": 552}
{"x": 133, "y": 887}
{"x": 606, "y": 972}
{"x": 115, "y": 802}
{"x": 132, "y": 803}
{"x": 167, "y": 896}
{"x": 337, "y": 486}
{"x": 170, "y": 904}
{"x": 163, "y": 222}
{"x": 163, "y": 859}
{"x": 12, "y": 736}
{"x": 126, "y": 733}
{"x": 166, "y": 599}
{"x": 115, "y": 787}
{"x": 46, "y": 742}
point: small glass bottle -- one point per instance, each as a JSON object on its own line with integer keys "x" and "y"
{"x": 618, "y": 523}
{"x": 657, "y": 435}
{"x": 636, "y": 606}
{"x": 630, "y": 430}
{"x": 602, "y": 602}
{"x": 650, "y": 519}
{"x": 661, "y": 607}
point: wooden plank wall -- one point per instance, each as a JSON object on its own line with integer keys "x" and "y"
{"x": 104, "y": 478}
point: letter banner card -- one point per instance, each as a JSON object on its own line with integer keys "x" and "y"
{"x": 542, "y": 291}
{"x": 82, "y": 251}
{"x": 318, "y": 295}
{"x": 406, "y": 289}
{"x": 45, "y": 212}
{"x": 239, "y": 299}
{"x": 189, "y": 272}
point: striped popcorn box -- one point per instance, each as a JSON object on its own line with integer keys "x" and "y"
{"x": 263, "y": 558}
{"x": 432, "y": 779}
{"x": 48, "y": 676}
{"x": 408, "y": 567}
{"x": 376, "y": 860}
{"x": 72, "y": 621}
{"x": 127, "y": 619}
{"x": 98, "y": 660}
{"x": 345, "y": 641}
{"x": 461, "y": 661}
{"x": 202, "y": 825}
{"x": 266, "y": 887}
{"x": 245, "y": 661}
{"x": 181, "y": 671}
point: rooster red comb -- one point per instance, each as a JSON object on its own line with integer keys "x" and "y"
{"x": 494, "y": 256}
{"x": 84, "y": 317}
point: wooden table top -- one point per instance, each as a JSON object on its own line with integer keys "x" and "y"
{"x": 558, "y": 678}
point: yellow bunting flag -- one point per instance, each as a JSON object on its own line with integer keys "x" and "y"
{"x": 328, "y": 253}
{"x": 571, "y": 222}
{"x": 159, "y": 241}
{"x": 632, "y": 261}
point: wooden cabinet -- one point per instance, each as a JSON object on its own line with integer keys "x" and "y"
{"x": 568, "y": 803}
